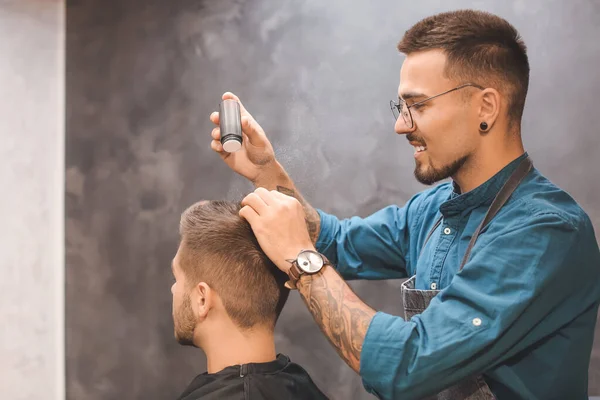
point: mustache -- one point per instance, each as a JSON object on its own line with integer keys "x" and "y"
{"x": 411, "y": 137}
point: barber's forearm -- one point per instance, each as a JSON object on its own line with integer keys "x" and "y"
{"x": 277, "y": 179}
{"x": 342, "y": 316}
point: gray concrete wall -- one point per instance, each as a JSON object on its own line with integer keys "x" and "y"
{"x": 143, "y": 78}
{"x": 32, "y": 200}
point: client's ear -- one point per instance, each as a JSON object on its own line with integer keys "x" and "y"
{"x": 203, "y": 299}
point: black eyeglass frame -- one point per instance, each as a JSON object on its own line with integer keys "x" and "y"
{"x": 397, "y": 107}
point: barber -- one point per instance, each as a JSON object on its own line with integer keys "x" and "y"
{"x": 503, "y": 266}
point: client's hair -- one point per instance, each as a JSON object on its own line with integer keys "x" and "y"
{"x": 218, "y": 247}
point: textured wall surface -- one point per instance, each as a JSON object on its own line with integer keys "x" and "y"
{"x": 143, "y": 78}
{"x": 31, "y": 201}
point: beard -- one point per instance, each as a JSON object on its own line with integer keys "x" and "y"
{"x": 184, "y": 323}
{"x": 431, "y": 175}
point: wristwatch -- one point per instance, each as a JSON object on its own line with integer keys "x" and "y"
{"x": 307, "y": 262}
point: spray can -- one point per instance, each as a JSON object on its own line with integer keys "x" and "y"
{"x": 230, "y": 123}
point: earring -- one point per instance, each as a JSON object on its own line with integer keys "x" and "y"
{"x": 483, "y": 126}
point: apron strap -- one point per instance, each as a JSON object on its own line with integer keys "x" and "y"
{"x": 437, "y": 223}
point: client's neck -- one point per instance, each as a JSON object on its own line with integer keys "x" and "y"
{"x": 227, "y": 345}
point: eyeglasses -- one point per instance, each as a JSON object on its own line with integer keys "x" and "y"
{"x": 401, "y": 108}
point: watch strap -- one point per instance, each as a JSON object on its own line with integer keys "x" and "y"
{"x": 295, "y": 272}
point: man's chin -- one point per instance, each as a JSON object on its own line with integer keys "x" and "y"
{"x": 425, "y": 175}
{"x": 428, "y": 175}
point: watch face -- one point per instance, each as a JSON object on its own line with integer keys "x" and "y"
{"x": 310, "y": 261}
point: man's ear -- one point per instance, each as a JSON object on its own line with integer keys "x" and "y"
{"x": 489, "y": 107}
{"x": 203, "y": 300}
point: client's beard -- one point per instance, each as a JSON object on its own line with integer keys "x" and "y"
{"x": 184, "y": 323}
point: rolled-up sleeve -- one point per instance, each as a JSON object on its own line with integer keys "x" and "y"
{"x": 374, "y": 247}
{"x": 511, "y": 294}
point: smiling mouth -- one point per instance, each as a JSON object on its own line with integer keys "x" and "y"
{"x": 420, "y": 149}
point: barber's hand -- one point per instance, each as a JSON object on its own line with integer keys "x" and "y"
{"x": 256, "y": 155}
{"x": 279, "y": 225}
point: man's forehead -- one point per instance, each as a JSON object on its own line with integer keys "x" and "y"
{"x": 423, "y": 73}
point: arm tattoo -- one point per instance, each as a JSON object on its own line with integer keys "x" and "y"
{"x": 340, "y": 314}
{"x": 312, "y": 216}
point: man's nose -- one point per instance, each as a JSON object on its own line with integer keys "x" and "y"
{"x": 401, "y": 127}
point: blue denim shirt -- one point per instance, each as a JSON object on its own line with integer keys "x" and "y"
{"x": 522, "y": 311}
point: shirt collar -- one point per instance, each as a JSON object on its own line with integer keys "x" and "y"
{"x": 482, "y": 194}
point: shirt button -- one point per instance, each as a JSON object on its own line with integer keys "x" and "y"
{"x": 433, "y": 285}
{"x": 447, "y": 231}
{"x": 476, "y": 321}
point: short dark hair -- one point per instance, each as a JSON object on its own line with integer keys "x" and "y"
{"x": 219, "y": 248}
{"x": 481, "y": 48}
